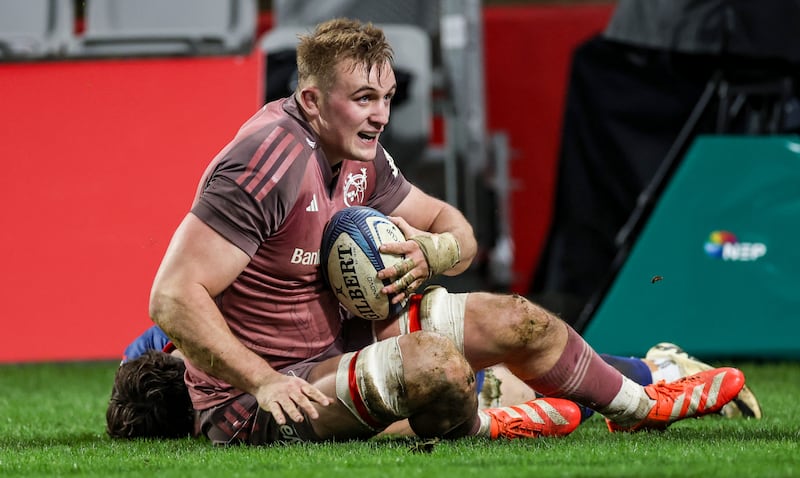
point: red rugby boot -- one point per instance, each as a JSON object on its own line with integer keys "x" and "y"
{"x": 542, "y": 417}
{"x": 691, "y": 396}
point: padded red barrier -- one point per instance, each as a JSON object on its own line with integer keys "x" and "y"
{"x": 527, "y": 56}
{"x": 101, "y": 160}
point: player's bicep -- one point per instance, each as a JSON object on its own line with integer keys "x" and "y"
{"x": 198, "y": 255}
{"x": 419, "y": 209}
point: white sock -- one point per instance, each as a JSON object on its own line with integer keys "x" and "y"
{"x": 667, "y": 370}
{"x": 630, "y": 406}
{"x": 486, "y": 422}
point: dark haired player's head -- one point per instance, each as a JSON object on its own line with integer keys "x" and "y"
{"x": 150, "y": 399}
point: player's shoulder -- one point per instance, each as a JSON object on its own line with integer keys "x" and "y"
{"x": 385, "y": 160}
{"x": 275, "y": 133}
{"x": 267, "y": 142}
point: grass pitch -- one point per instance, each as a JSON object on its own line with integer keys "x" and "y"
{"x": 52, "y": 419}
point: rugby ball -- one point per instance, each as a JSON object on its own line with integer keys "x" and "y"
{"x": 350, "y": 261}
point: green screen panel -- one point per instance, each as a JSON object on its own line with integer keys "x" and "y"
{"x": 716, "y": 267}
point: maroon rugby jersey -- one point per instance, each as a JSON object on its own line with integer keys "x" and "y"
{"x": 271, "y": 192}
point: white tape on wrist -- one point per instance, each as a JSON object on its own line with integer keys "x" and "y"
{"x": 441, "y": 251}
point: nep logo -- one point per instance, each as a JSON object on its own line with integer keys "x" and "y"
{"x": 724, "y": 245}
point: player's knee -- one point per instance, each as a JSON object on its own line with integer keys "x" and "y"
{"x": 438, "y": 368}
{"x": 397, "y": 377}
{"x": 440, "y": 384}
{"x": 520, "y": 323}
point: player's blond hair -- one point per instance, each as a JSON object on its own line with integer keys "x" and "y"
{"x": 338, "y": 40}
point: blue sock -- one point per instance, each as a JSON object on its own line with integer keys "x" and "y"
{"x": 631, "y": 367}
{"x": 479, "y": 377}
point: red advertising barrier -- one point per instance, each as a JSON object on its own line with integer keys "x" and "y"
{"x": 100, "y": 162}
{"x": 527, "y": 58}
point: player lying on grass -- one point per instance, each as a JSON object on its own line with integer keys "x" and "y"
{"x": 269, "y": 356}
{"x": 149, "y": 397}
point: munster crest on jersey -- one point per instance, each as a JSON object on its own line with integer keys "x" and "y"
{"x": 355, "y": 187}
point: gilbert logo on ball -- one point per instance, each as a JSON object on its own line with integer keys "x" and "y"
{"x": 351, "y": 260}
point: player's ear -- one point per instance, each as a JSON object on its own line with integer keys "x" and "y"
{"x": 309, "y": 99}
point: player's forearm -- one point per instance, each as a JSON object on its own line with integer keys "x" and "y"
{"x": 193, "y": 322}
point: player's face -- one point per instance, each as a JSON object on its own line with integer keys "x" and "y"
{"x": 354, "y": 111}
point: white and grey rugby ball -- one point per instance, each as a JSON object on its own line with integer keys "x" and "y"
{"x": 351, "y": 260}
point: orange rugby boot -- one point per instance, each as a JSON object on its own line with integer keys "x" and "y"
{"x": 542, "y": 417}
{"x": 691, "y": 396}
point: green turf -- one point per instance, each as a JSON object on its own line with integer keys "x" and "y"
{"x": 52, "y": 424}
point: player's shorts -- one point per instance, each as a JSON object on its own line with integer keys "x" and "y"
{"x": 240, "y": 421}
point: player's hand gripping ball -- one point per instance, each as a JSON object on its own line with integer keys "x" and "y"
{"x": 351, "y": 261}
